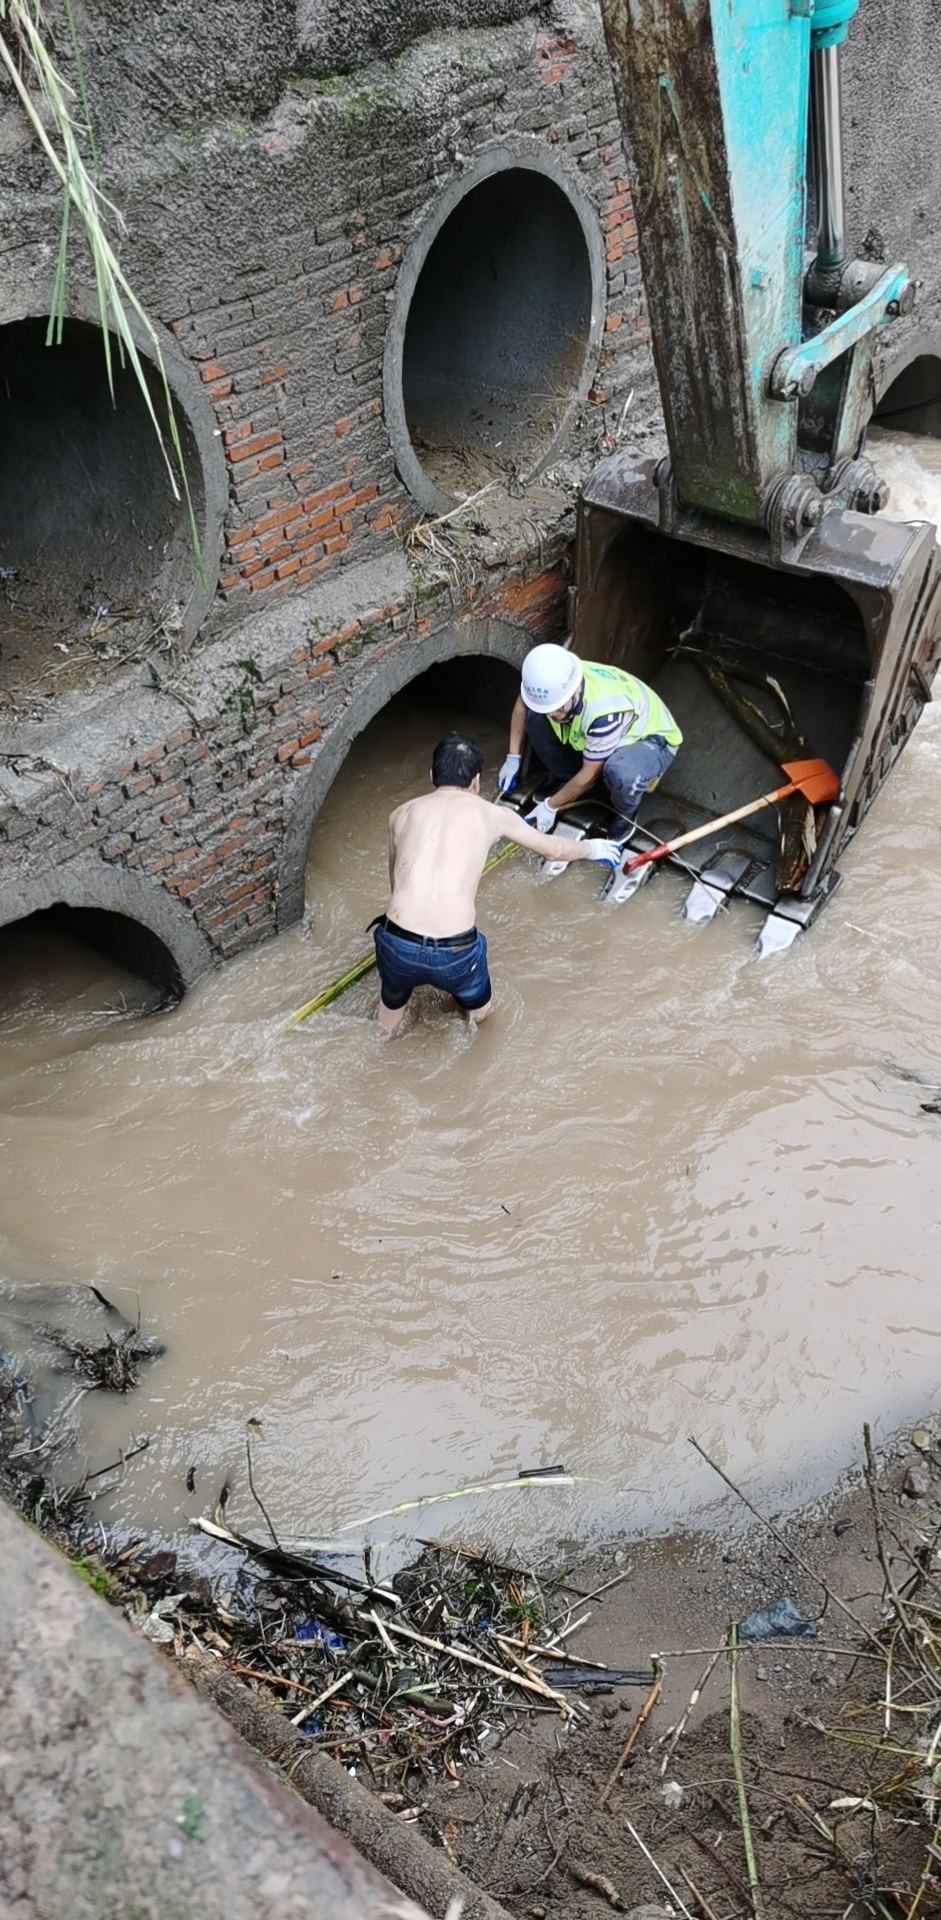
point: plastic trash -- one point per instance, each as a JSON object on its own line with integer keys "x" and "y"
{"x": 783, "y": 1617}
{"x": 321, "y": 1635}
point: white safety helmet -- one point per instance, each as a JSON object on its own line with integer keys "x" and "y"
{"x": 551, "y": 675}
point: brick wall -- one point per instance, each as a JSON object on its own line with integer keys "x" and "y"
{"x": 271, "y": 249}
{"x": 202, "y": 812}
{"x": 291, "y": 357}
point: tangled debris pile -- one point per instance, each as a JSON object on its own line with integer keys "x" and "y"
{"x": 58, "y": 1343}
{"x": 405, "y": 1680}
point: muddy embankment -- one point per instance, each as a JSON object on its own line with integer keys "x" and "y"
{"x": 551, "y": 1741}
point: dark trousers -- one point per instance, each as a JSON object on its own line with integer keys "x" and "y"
{"x": 627, "y": 773}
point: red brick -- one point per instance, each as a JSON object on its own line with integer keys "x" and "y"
{"x": 288, "y": 567}
{"x": 239, "y": 537}
{"x": 342, "y": 300}
{"x": 612, "y": 323}
{"x": 263, "y": 580}
{"x": 342, "y": 426}
{"x": 211, "y": 370}
{"x": 241, "y": 432}
{"x": 269, "y": 460}
{"x": 285, "y": 752}
{"x": 387, "y": 518}
{"x": 315, "y": 501}
{"x": 247, "y": 449}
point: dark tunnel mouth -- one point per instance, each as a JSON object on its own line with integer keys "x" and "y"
{"x": 911, "y": 403}
{"x": 118, "y": 937}
{"x": 496, "y": 322}
{"x": 94, "y": 548}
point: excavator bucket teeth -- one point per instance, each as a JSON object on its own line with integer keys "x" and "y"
{"x": 710, "y": 892}
{"x": 564, "y": 831}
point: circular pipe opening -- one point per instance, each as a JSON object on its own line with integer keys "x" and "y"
{"x": 95, "y": 551}
{"x": 912, "y": 403}
{"x": 126, "y": 942}
{"x": 496, "y": 322}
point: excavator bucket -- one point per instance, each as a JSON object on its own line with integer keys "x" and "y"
{"x": 828, "y": 653}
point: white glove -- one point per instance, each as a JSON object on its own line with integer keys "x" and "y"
{"x": 543, "y": 817}
{"x": 609, "y": 852}
{"x": 506, "y": 778}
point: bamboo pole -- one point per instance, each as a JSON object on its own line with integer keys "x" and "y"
{"x": 754, "y": 1889}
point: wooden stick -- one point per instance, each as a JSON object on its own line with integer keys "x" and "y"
{"x": 642, "y": 1717}
{"x": 334, "y": 1687}
{"x": 682, "y": 1724}
{"x": 754, "y": 1889}
{"x": 273, "y": 1679}
{"x": 700, "y": 1898}
{"x": 473, "y": 1660}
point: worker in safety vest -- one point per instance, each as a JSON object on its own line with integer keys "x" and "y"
{"x": 585, "y": 721}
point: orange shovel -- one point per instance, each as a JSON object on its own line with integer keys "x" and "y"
{"x": 813, "y": 778}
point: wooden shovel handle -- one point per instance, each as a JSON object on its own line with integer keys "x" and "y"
{"x": 711, "y": 826}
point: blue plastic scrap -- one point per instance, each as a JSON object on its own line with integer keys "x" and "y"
{"x": 781, "y": 1617}
{"x": 315, "y": 1630}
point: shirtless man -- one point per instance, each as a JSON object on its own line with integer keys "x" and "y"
{"x": 438, "y": 846}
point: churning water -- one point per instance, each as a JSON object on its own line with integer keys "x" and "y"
{"x": 664, "y": 1190}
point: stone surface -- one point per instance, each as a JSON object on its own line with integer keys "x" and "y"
{"x": 124, "y": 1797}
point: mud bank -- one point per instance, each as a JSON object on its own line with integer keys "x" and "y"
{"x": 542, "y": 1811}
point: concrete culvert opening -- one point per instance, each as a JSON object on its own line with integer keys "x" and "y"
{"x": 94, "y": 549}
{"x": 57, "y": 951}
{"x": 912, "y": 404}
{"x": 497, "y": 336}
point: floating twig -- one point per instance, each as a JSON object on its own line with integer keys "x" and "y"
{"x": 459, "y": 1493}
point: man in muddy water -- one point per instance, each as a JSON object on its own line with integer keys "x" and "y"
{"x": 587, "y": 722}
{"x": 438, "y": 846}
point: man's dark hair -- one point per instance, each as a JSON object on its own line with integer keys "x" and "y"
{"x": 456, "y": 761}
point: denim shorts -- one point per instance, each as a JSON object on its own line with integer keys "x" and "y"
{"x": 457, "y": 966}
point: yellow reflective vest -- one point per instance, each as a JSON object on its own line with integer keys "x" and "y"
{"x": 611, "y": 690}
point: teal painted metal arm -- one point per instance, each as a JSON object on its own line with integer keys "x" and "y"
{"x": 796, "y": 369}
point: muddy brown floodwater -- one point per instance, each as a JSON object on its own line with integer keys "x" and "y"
{"x": 665, "y": 1190}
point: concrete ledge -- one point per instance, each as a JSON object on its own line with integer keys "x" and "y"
{"x": 123, "y": 1796}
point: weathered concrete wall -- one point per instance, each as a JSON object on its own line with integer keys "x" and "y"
{"x": 892, "y": 108}
{"x": 121, "y": 1794}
